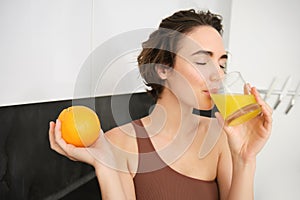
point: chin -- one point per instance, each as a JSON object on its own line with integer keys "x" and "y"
{"x": 206, "y": 105}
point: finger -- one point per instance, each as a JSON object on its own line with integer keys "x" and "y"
{"x": 65, "y": 148}
{"x": 228, "y": 129}
{"x": 247, "y": 88}
{"x": 267, "y": 118}
{"x": 223, "y": 123}
{"x": 269, "y": 108}
{"x": 220, "y": 119}
{"x": 267, "y": 111}
{"x": 260, "y": 101}
{"x": 257, "y": 96}
{"x": 52, "y": 140}
{"x": 57, "y": 135}
{"x": 51, "y": 132}
{"x": 57, "y": 132}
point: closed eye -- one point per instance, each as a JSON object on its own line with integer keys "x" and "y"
{"x": 223, "y": 63}
{"x": 201, "y": 63}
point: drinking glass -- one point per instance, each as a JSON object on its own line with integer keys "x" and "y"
{"x": 233, "y": 99}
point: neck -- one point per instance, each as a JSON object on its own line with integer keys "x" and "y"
{"x": 170, "y": 116}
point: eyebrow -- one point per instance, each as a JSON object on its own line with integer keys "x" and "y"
{"x": 203, "y": 52}
{"x": 224, "y": 56}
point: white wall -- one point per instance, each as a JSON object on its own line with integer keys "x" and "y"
{"x": 43, "y": 44}
{"x": 264, "y": 42}
{"x": 52, "y": 49}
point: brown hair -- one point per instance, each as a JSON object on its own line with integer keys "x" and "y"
{"x": 160, "y": 48}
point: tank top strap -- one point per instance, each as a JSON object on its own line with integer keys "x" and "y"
{"x": 149, "y": 159}
{"x": 143, "y": 140}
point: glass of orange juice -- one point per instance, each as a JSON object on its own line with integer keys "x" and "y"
{"x": 233, "y": 99}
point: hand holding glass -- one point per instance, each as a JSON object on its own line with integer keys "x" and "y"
{"x": 233, "y": 99}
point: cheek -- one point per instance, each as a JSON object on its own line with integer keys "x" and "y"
{"x": 195, "y": 78}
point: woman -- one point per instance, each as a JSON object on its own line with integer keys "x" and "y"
{"x": 157, "y": 157}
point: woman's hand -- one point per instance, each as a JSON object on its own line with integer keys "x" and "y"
{"x": 94, "y": 155}
{"x": 247, "y": 139}
{"x": 101, "y": 157}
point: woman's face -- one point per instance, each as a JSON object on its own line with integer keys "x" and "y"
{"x": 200, "y": 59}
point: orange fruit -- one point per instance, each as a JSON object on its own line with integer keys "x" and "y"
{"x": 80, "y": 126}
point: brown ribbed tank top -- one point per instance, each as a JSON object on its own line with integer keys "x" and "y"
{"x": 155, "y": 180}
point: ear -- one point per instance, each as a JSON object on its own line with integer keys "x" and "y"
{"x": 162, "y": 71}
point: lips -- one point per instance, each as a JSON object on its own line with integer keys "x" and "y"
{"x": 206, "y": 92}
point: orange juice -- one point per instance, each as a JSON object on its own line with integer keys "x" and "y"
{"x": 236, "y": 108}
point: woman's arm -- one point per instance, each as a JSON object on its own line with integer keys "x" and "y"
{"x": 112, "y": 170}
{"x": 242, "y": 184}
{"x": 114, "y": 184}
{"x": 238, "y": 159}
{"x": 235, "y": 178}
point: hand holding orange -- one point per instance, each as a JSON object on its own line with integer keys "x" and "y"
{"x": 80, "y": 126}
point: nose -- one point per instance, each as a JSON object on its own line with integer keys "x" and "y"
{"x": 216, "y": 74}
{"x": 215, "y": 81}
{"x": 214, "y": 77}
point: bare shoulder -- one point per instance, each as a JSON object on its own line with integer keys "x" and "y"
{"x": 123, "y": 137}
{"x": 124, "y": 145}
